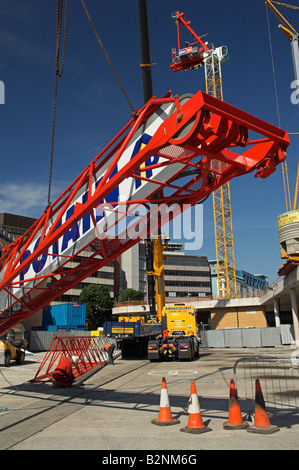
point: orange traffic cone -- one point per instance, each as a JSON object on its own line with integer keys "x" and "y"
{"x": 165, "y": 417}
{"x": 235, "y": 420}
{"x": 195, "y": 424}
{"x": 261, "y": 421}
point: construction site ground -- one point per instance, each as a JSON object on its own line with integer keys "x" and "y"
{"x": 112, "y": 409}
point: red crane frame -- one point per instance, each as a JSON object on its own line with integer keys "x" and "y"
{"x": 189, "y": 57}
{"x": 188, "y": 144}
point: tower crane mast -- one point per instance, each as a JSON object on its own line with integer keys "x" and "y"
{"x": 196, "y": 55}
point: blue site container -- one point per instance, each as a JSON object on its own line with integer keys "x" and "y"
{"x": 65, "y": 316}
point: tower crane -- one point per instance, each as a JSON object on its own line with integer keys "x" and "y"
{"x": 292, "y": 35}
{"x": 194, "y": 55}
{"x": 291, "y": 217}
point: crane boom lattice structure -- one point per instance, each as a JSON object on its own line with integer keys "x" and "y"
{"x": 124, "y": 194}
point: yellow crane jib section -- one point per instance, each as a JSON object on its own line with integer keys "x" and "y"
{"x": 285, "y": 26}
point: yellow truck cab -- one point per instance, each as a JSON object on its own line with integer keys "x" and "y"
{"x": 12, "y": 346}
{"x": 179, "y": 335}
{"x": 180, "y": 320}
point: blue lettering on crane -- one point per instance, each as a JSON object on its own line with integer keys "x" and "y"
{"x": 38, "y": 264}
{"x": 74, "y": 233}
{"x": 86, "y": 218}
{"x": 152, "y": 160}
{"x": 71, "y": 235}
{"x": 25, "y": 255}
{"x": 113, "y": 196}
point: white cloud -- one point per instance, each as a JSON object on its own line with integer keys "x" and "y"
{"x": 27, "y": 199}
{"x": 22, "y": 47}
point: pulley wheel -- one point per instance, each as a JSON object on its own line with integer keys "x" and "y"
{"x": 187, "y": 130}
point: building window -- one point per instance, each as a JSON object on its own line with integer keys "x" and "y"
{"x": 171, "y": 294}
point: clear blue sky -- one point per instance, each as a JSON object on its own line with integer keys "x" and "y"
{"x": 91, "y": 108}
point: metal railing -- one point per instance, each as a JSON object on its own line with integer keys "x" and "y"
{"x": 279, "y": 379}
{"x": 187, "y": 299}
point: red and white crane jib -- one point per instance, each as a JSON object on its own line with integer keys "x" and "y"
{"x": 165, "y": 156}
{"x": 191, "y": 56}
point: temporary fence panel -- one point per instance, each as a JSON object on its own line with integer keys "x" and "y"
{"x": 215, "y": 338}
{"x": 270, "y": 337}
{"x": 41, "y": 340}
{"x": 287, "y": 334}
{"x": 251, "y": 337}
{"x": 242, "y": 338}
{"x": 279, "y": 379}
{"x": 233, "y": 338}
{"x": 204, "y": 338}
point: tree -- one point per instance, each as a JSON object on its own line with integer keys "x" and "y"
{"x": 130, "y": 294}
{"x": 98, "y": 304}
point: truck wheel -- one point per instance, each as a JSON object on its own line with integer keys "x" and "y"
{"x": 7, "y": 358}
{"x": 192, "y": 350}
{"x": 21, "y": 357}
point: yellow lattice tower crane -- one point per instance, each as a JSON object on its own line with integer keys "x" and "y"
{"x": 287, "y": 223}
{"x": 225, "y": 256}
{"x": 192, "y": 56}
{"x": 292, "y": 35}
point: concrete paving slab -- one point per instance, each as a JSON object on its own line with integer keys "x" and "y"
{"x": 112, "y": 409}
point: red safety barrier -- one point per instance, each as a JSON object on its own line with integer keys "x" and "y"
{"x": 85, "y": 348}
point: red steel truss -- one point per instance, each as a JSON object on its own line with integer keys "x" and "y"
{"x": 176, "y": 164}
{"x": 64, "y": 347}
{"x": 192, "y": 55}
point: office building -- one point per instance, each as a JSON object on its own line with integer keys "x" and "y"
{"x": 13, "y": 226}
{"x": 185, "y": 275}
{"x": 246, "y": 283}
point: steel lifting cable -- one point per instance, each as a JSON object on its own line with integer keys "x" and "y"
{"x": 107, "y": 58}
{"x": 59, "y": 71}
{"x": 58, "y": 74}
{"x": 284, "y": 167}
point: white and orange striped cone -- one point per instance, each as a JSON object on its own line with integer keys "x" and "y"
{"x": 195, "y": 423}
{"x": 165, "y": 417}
